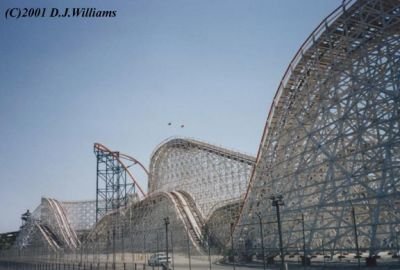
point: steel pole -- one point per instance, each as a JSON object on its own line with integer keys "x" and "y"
{"x": 262, "y": 239}
{"x": 397, "y": 243}
{"x": 144, "y": 243}
{"x": 208, "y": 245}
{"x": 166, "y": 221}
{"x": 188, "y": 247}
{"x": 172, "y": 251}
{"x": 209, "y": 249}
{"x": 113, "y": 245}
{"x": 158, "y": 247}
{"x": 233, "y": 250}
{"x": 278, "y": 215}
{"x": 304, "y": 242}
{"x": 353, "y": 213}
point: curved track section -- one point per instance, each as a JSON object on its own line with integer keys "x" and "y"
{"x": 33, "y": 234}
{"x": 210, "y": 174}
{"x": 58, "y": 222}
{"x": 146, "y": 219}
{"x": 56, "y": 225}
{"x": 190, "y": 216}
{"x": 49, "y": 238}
{"x": 332, "y": 138}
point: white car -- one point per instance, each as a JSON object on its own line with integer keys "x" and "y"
{"x": 158, "y": 259}
{"x": 385, "y": 254}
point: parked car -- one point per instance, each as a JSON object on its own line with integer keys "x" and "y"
{"x": 158, "y": 259}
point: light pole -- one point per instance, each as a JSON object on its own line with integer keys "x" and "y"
{"x": 353, "y": 213}
{"x": 166, "y": 221}
{"x": 278, "y": 201}
{"x": 81, "y": 258}
{"x": 144, "y": 244}
{"x": 262, "y": 238}
{"x": 158, "y": 247}
{"x": 207, "y": 233}
{"x": 172, "y": 251}
{"x": 113, "y": 245}
{"x": 397, "y": 244}
{"x": 188, "y": 248}
{"x": 233, "y": 250}
{"x": 304, "y": 243}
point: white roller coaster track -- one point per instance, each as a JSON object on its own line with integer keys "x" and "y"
{"x": 68, "y": 234}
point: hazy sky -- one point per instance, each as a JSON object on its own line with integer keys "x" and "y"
{"x": 65, "y": 83}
